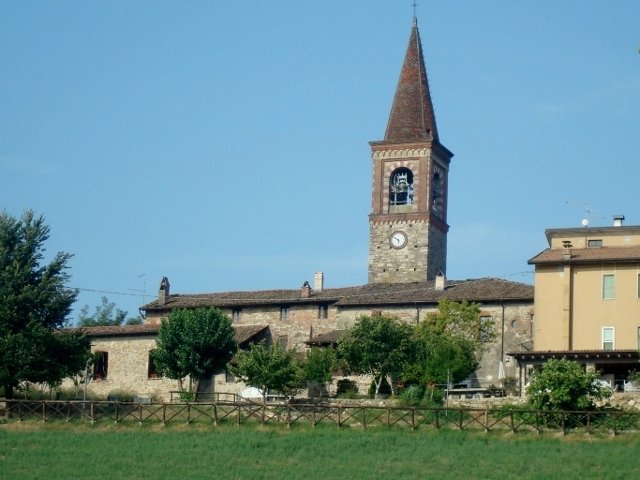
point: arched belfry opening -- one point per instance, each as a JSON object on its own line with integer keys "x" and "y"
{"x": 401, "y": 187}
{"x": 437, "y": 192}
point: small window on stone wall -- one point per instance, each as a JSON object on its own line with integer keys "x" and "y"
{"x": 235, "y": 315}
{"x": 486, "y": 328}
{"x": 322, "y": 311}
{"x": 100, "y": 365}
{"x": 284, "y": 313}
{"x": 283, "y": 341}
{"x": 152, "y": 371}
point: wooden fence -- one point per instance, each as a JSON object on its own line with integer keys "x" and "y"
{"x": 365, "y": 417}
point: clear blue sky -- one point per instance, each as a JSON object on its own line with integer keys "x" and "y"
{"x": 225, "y": 144}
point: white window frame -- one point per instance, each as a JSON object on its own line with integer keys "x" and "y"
{"x": 606, "y": 340}
{"x": 610, "y": 292}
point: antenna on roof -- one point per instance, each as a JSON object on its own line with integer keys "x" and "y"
{"x": 588, "y": 212}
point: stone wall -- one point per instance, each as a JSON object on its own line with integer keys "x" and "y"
{"x": 399, "y": 265}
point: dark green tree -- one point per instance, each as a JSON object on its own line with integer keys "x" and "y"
{"x": 440, "y": 358}
{"x": 105, "y": 314}
{"x": 448, "y": 344}
{"x": 379, "y": 346}
{"x": 34, "y": 305}
{"x": 565, "y": 385}
{"x": 461, "y": 320}
{"x": 195, "y": 343}
{"x": 268, "y": 368}
{"x": 319, "y": 365}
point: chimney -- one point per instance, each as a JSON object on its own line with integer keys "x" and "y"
{"x": 163, "y": 293}
{"x": 566, "y": 249}
{"x": 305, "y": 291}
{"x": 617, "y": 220}
{"x": 440, "y": 280}
{"x": 318, "y": 281}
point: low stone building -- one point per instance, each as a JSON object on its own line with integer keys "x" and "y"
{"x": 124, "y": 367}
{"x": 300, "y": 318}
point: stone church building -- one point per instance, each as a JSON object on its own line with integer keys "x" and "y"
{"x": 406, "y": 272}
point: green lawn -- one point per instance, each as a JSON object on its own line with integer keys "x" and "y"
{"x": 51, "y": 451}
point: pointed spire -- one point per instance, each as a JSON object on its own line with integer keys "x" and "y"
{"x": 412, "y": 118}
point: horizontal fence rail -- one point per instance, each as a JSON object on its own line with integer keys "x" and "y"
{"x": 360, "y": 416}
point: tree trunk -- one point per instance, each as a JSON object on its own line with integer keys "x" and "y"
{"x": 393, "y": 390}
{"x": 378, "y": 383}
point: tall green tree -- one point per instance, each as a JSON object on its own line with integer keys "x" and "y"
{"x": 319, "y": 365}
{"x": 440, "y": 358}
{"x": 461, "y": 320}
{"x": 34, "y": 305}
{"x": 194, "y": 343}
{"x": 268, "y": 368}
{"x": 379, "y": 346}
{"x": 105, "y": 314}
{"x": 448, "y": 344}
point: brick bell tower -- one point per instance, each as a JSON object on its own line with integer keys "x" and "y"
{"x": 408, "y": 221}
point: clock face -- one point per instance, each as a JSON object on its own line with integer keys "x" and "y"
{"x": 398, "y": 239}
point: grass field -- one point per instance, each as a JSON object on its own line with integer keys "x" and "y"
{"x": 52, "y": 451}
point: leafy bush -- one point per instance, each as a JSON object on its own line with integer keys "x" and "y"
{"x": 634, "y": 377}
{"x": 120, "y": 395}
{"x": 510, "y": 385}
{"x": 411, "y": 396}
{"x": 346, "y": 389}
{"x": 565, "y": 385}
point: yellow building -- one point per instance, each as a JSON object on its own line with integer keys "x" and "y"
{"x": 587, "y": 299}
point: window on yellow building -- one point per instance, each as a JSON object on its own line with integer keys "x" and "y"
{"x": 608, "y": 336}
{"x": 608, "y": 286}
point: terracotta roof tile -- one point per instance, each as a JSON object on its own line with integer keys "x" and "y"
{"x": 412, "y": 118}
{"x": 243, "y": 333}
{"x": 375, "y": 294}
{"x": 328, "y": 338}
{"x": 588, "y": 255}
